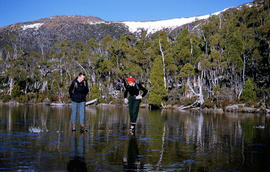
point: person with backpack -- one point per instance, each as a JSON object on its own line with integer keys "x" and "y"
{"x": 134, "y": 100}
{"x": 78, "y": 91}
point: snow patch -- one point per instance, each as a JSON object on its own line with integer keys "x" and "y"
{"x": 217, "y": 13}
{"x": 154, "y": 26}
{"x": 250, "y": 5}
{"x": 35, "y": 26}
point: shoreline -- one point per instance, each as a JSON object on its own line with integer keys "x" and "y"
{"x": 234, "y": 108}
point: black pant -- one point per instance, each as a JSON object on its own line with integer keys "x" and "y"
{"x": 133, "y": 106}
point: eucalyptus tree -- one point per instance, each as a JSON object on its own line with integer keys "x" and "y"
{"x": 182, "y": 48}
{"x": 94, "y": 50}
{"x": 194, "y": 88}
{"x": 61, "y": 62}
{"x": 161, "y": 49}
{"x": 16, "y": 68}
{"x": 142, "y": 56}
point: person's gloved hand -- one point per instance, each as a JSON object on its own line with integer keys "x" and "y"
{"x": 126, "y": 101}
{"x": 138, "y": 97}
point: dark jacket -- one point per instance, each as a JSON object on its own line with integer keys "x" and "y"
{"x": 134, "y": 90}
{"x": 78, "y": 91}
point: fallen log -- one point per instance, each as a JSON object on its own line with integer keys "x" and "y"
{"x": 187, "y": 107}
{"x": 57, "y": 104}
{"x": 91, "y": 102}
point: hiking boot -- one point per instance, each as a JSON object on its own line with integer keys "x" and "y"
{"x": 83, "y": 129}
{"x": 132, "y": 127}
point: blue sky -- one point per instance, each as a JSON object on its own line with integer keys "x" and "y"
{"x": 14, "y": 11}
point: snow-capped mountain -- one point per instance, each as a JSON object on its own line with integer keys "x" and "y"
{"x": 41, "y": 35}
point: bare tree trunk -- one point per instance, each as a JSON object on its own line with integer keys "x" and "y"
{"x": 11, "y": 84}
{"x": 200, "y": 94}
{"x": 42, "y": 50}
{"x": 244, "y": 70}
{"x": 220, "y": 22}
{"x": 191, "y": 49}
{"x": 8, "y": 56}
{"x": 41, "y": 46}
{"x": 200, "y": 84}
{"x": 25, "y": 90}
{"x": 82, "y": 67}
{"x": 93, "y": 77}
{"x": 44, "y": 86}
{"x": 91, "y": 71}
{"x": 163, "y": 61}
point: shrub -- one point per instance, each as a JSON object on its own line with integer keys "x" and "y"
{"x": 23, "y": 98}
{"x": 249, "y": 93}
{"x": 16, "y": 91}
{"x": 53, "y": 97}
{"x": 95, "y": 92}
{"x": 209, "y": 103}
{"x": 225, "y": 103}
{"x": 187, "y": 101}
{"x": 5, "y": 97}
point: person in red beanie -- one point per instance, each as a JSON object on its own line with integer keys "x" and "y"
{"x": 134, "y": 100}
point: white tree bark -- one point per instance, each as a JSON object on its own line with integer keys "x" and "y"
{"x": 200, "y": 99}
{"x": 81, "y": 67}
{"x": 25, "y": 90}
{"x": 200, "y": 84}
{"x": 44, "y": 86}
{"x": 93, "y": 75}
{"x": 11, "y": 84}
{"x": 191, "y": 49}
{"x": 244, "y": 70}
{"x": 163, "y": 61}
{"x": 220, "y": 22}
{"x": 8, "y": 56}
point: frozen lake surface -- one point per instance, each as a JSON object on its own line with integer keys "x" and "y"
{"x": 39, "y": 138}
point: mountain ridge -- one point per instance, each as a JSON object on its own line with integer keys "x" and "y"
{"x": 40, "y": 35}
{"x": 78, "y": 19}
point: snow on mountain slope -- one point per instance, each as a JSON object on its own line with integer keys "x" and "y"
{"x": 35, "y": 26}
{"x": 154, "y": 26}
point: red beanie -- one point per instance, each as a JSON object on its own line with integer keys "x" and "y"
{"x": 131, "y": 79}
